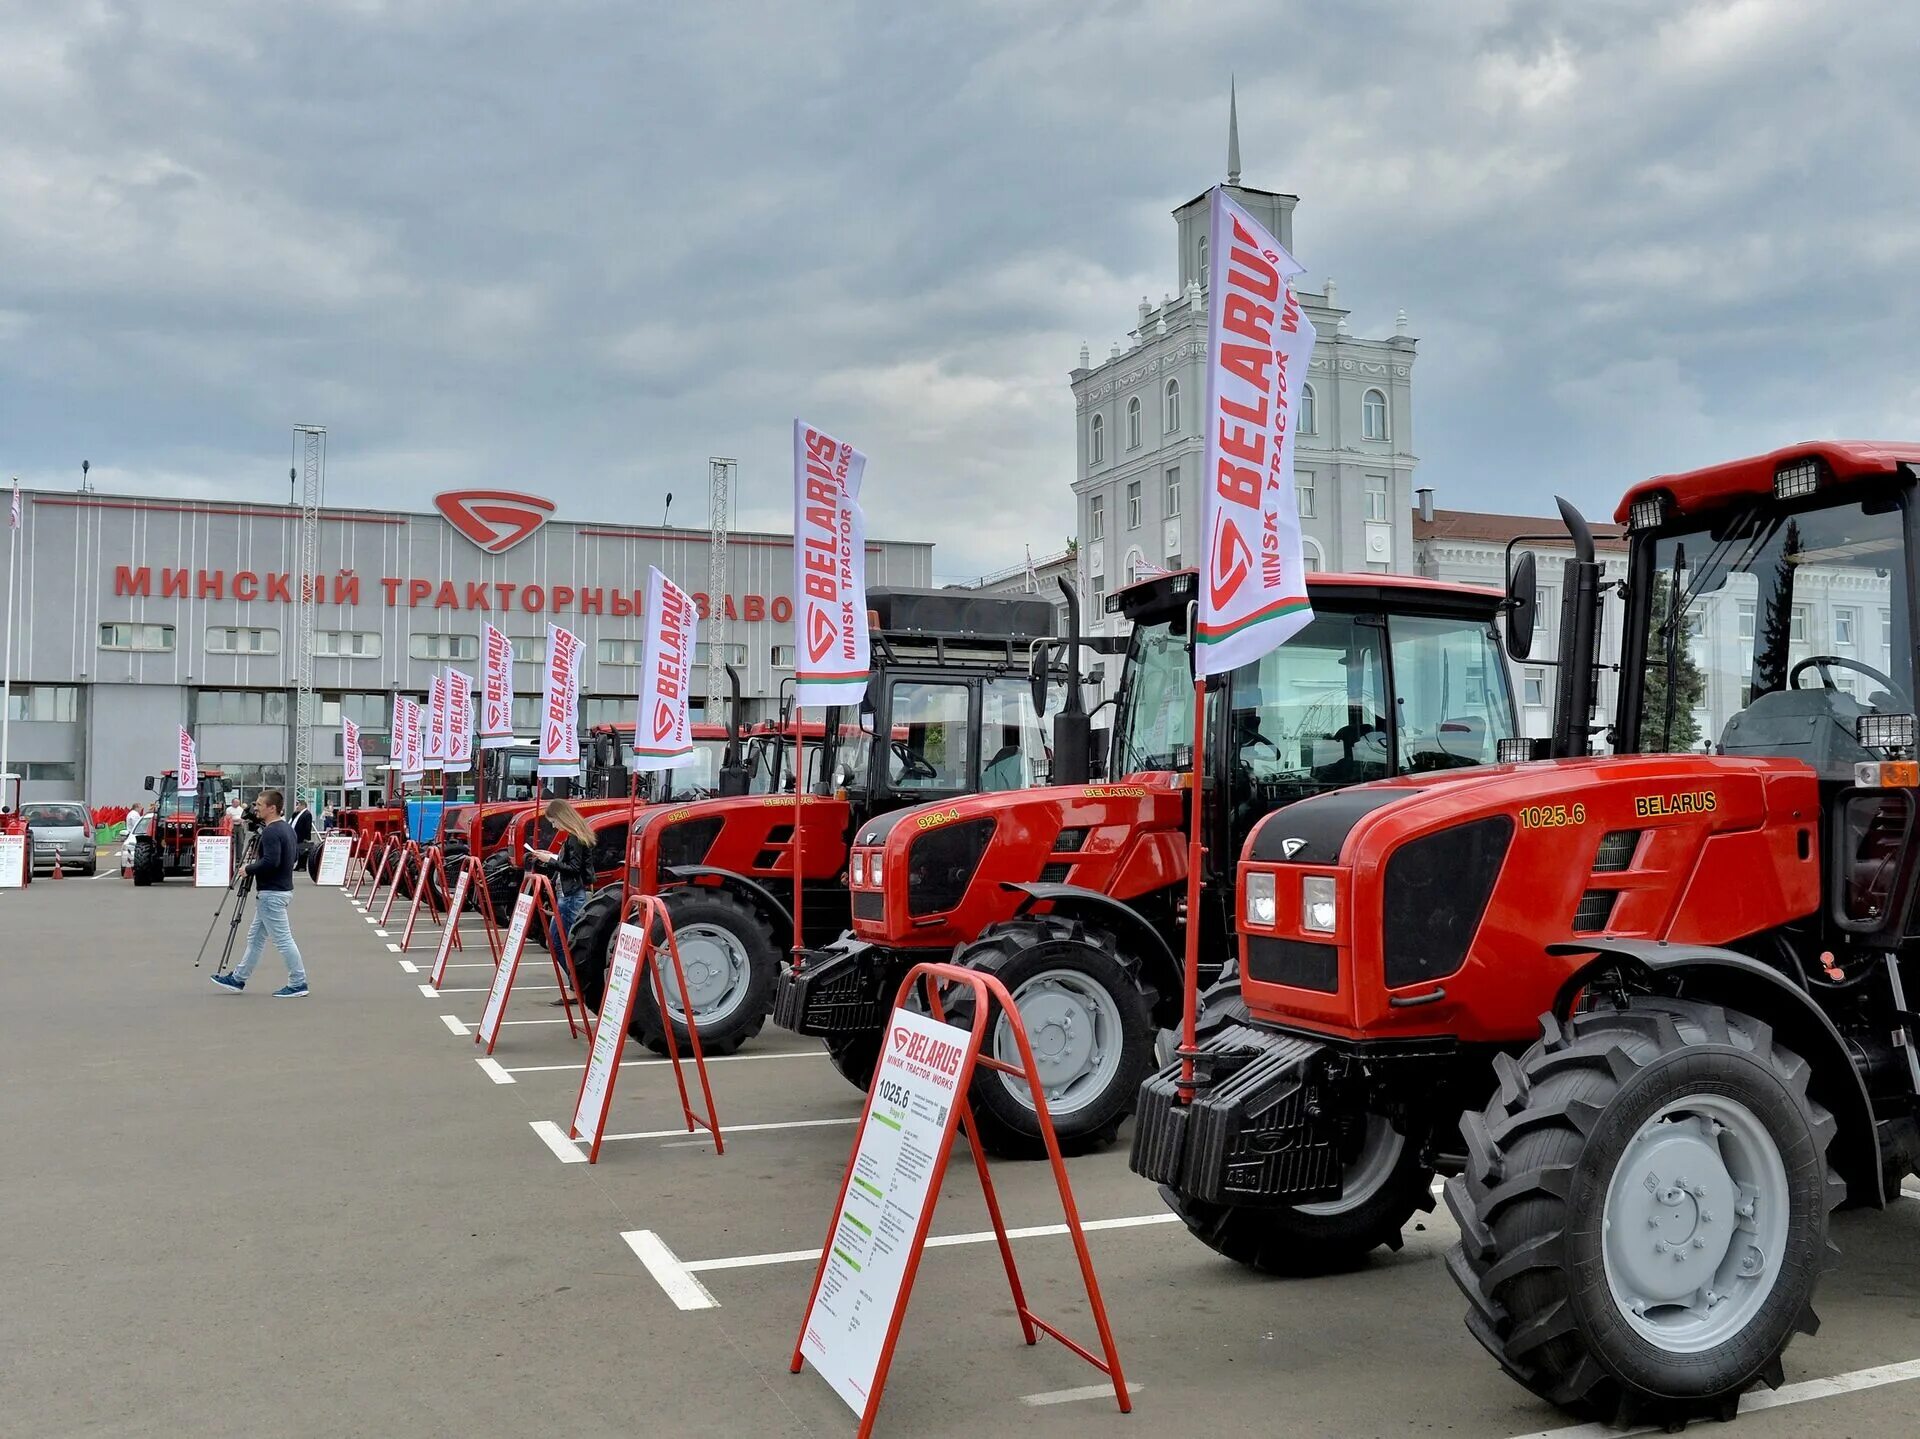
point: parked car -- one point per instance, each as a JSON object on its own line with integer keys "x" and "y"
{"x": 135, "y": 828}
{"x": 62, "y": 832}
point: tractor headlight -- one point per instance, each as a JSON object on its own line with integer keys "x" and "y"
{"x": 1316, "y": 904}
{"x": 857, "y": 871}
{"x": 1260, "y": 906}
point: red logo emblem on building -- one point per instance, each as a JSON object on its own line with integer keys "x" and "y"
{"x": 495, "y": 520}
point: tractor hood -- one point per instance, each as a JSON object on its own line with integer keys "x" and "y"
{"x": 749, "y": 835}
{"x": 1407, "y": 906}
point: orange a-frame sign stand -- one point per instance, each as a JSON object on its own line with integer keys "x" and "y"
{"x": 960, "y": 1116}
{"x": 626, "y": 970}
{"x": 474, "y": 874}
{"x": 392, "y": 852}
{"x": 364, "y": 846}
{"x": 409, "y": 852}
{"x": 431, "y": 863}
{"x": 541, "y": 903}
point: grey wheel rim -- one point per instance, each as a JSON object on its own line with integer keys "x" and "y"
{"x": 1696, "y": 1222}
{"x": 718, "y": 974}
{"x": 1369, "y": 1170}
{"x": 1073, "y": 1026}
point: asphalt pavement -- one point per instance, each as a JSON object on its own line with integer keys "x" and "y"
{"x": 332, "y": 1215}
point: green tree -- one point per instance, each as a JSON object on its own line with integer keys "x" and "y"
{"x": 1686, "y": 684}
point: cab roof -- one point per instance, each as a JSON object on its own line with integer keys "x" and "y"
{"x": 1696, "y": 490}
{"x": 1156, "y": 591}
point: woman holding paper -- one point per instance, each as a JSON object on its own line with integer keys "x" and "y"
{"x": 571, "y": 864}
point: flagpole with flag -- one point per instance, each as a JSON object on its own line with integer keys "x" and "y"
{"x": 6, "y": 673}
{"x": 1252, "y": 575}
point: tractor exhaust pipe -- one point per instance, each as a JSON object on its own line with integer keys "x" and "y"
{"x": 734, "y": 779}
{"x": 1573, "y": 700}
{"x": 1072, "y": 727}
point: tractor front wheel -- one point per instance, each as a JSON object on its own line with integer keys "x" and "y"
{"x": 1089, "y": 1021}
{"x": 731, "y": 959}
{"x": 590, "y": 942}
{"x": 146, "y": 862}
{"x": 855, "y": 1056}
{"x": 1643, "y": 1216}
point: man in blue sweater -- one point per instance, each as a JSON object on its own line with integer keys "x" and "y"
{"x": 272, "y": 873}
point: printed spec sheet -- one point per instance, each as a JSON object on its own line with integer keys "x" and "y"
{"x": 902, "y": 1147}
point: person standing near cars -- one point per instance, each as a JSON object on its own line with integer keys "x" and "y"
{"x": 272, "y": 872}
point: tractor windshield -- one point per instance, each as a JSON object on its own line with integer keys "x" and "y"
{"x": 1156, "y": 707}
{"x": 1763, "y": 600}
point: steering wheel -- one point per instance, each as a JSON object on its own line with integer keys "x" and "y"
{"x": 1824, "y": 664}
{"x": 912, "y": 766}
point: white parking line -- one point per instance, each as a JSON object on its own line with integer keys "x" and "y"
{"x": 684, "y": 1059}
{"x": 430, "y": 991}
{"x": 555, "y": 1138}
{"x": 1828, "y": 1388}
{"x": 409, "y": 966}
{"x": 1085, "y": 1391}
{"x": 452, "y": 1022}
{"x": 681, "y": 1133}
{"x": 381, "y": 932}
{"x": 674, "y": 1275}
{"x": 394, "y": 948}
{"x": 369, "y": 919}
{"x": 491, "y": 1068}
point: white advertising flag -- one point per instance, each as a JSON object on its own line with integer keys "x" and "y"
{"x": 662, "y": 728}
{"x": 397, "y": 737}
{"x": 459, "y": 722}
{"x": 435, "y": 739}
{"x": 559, "y": 718}
{"x": 1253, "y": 587}
{"x": 187, "y": 770}
{"x": 496, "y": 689}
{"x": 413, "y": 756}
{"x": 829, "y": 570}
{"x": 351, "y": 771}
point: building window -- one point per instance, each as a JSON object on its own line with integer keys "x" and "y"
{"x": 1096, "y": 440}
{"x": 1309, "y": 418}
{"x": 57, "y": 704}
{"x": 369, "y": 711}
{"x": 526, "y": 712}
{"x": 1133, "y": 504}
{"x": 1746, "y": 619}
{"x": 1534, "y": 687}
{"x": 605, "y": 709}
{"x": 1303, "y": 491}
{"x": 356, "y": 644}
{"x": 1173, "y": 406}
{"x": 783, "y": 657}
{"x": 63, "y": 771}
{"x": 151, "y": 638}
{"x": 529, "y": 649}
{"x": 243, "y": 641}
{"x": 621, "y": 652}
{"x": 445, "y": 647}
{"x": 1310, "y": 557}
{"x": 1133, "y": 423}
{"x": 1541, "y": 610}
{"x": 1133, "y": 567}
{"x": 1378, "y": 567}
{"x": 1373, "y": 415}
{"x": 1174, "y": 561}
{"x": 1376, "y": 497}
{"x": 1097, "y": 518}
{"x": 1173, "y": 492}
{"x": 238, "y": 707}
{"x": 1203, "y": 262}
{"x": 1843, "y": 627}
{"x": 1797, "y": 625}
{"x": 1099, "y": 593}
{"x": 729, "y": 654}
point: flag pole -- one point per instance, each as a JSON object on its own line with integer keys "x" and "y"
{"x": 799, "y": 826}
{"x": 6, "y": 673}
{"x": 1196, "y": 855}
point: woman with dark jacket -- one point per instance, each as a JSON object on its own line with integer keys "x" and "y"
{"x": 571, "y": 865}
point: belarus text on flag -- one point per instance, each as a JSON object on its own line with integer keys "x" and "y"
{"x": 437, "y": 722}
{"x": 496, "y": 689}
{"x": 459, "y": 722}
{"x": 662, "y": 729}
{"x": 559, "y": 718}
{"x": 350, "y": 763}
{"x": 186, "y": 777}
{"x": 1253, "y": 588}
{"x": 829, "y": 570}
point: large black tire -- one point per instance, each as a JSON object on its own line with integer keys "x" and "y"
{"x": 146, "y": 862}
{"x": 855, "y": 1056}
{"x": 503, "y": 886}
{"x": 591, "y": 942}
{"x": 1081, "y": 961}
{"x": 1540, "y": 1187}
{"x": 703, "y": 915}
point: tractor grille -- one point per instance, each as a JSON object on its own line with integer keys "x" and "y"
{"x": 1437, "y": 889}
{"x": 869, "y": 904}
{"x": 688, "y": 841}
{"x": 1293, "y": 962}
{"x": 1616, "y": 851}
{"x": 1071, "y": 841}
{"x": 1594, "y": 910}
{"x": 941, "y": 863}
{"x": 1055, "y": 873}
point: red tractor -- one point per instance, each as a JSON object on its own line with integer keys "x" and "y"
{"x": 168, "y": 846}
{"x": 1074, "y": 895}
{"x": 949, "y": 683}
{"x": 1650, "y": 1007}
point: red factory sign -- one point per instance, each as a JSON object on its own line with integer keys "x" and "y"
{"x": 345, "y": 589}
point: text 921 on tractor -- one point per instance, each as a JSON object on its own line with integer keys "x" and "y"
{"x": 1658, "y": 998}
{"x": 168, "y": 846}
{"x": 948, "y": 667}
{"x": 1074, "y": 895}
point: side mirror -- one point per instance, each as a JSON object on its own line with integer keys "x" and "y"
{"x": 1037, "y": 678}
{"x": 866, "y": 714}
{"x": 1097, "y": 742}
{"x": 1523, "y": 604}
{"x": 149, "y": 781}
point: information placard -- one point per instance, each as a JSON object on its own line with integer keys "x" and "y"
{"x": 335, "y": 850}
{"x": 212, "y": 861}
{"x": 453, "y": 923}
{"x": 489, "y": 1030}
{"x": 910, "y": 1119}
{"x": 13, "y": 861}
{"x": 609, "y": 1038}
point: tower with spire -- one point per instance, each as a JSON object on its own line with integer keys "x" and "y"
{"x": 1139, "y": 443}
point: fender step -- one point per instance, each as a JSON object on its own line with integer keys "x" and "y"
{"x": 1252, "y": 1136}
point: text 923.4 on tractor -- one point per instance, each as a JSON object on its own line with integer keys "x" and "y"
{"x": 1651, "y": 1006}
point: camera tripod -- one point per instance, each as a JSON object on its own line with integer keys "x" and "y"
{"x": 237, "y": 890}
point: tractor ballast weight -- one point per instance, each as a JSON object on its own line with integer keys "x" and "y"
{"x": 1659, "y": 998}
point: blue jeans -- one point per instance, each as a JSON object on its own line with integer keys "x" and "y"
{"x": 570, "y": 907}
{"x": 270, "y": 919}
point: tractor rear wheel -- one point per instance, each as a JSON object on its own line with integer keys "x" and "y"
{"x": 855, "y": 1056}
{"x": 590, "y": 941}
{"x": 1643, "y": 1216}
{"x": 731, "y": 959}
{"x": 1089, "y": 1020}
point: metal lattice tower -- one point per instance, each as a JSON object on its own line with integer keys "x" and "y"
{"x": 310, "y": 450}
{"x": 719, "y": 520}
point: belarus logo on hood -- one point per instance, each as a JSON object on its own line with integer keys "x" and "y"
{"x": 495, "y": 520}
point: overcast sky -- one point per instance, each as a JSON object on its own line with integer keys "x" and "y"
{"x": 576, "y": 248}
